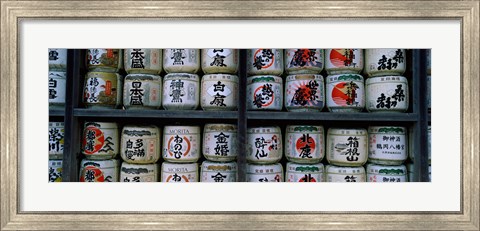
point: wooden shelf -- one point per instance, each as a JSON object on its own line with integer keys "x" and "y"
{"x": 120, "y": 113}
{"x": 329, "y": 116}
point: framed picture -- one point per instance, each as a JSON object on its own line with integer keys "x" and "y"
{"x": 449, "y": 29}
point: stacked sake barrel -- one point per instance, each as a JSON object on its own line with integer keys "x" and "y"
{"x": 264, "y": 93}
{"x": 56, "y": 133}
{"x": 181, "y": 91}
{"x": 386, "y": 92}
{"x": 57, "y": 82}
{"x": 100, "y": 140}
{"x": 304, "y": 92}
{"x": 346, "y": 147}
{"x": 219, "y": 92}
{"x": 103, "y": 85}
{"x": 142, "y": 90}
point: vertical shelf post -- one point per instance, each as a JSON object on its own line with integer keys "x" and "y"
{"x": 242, "y": 116}
{"x": 72, "y": 143}
{"x": 419, "y": 78}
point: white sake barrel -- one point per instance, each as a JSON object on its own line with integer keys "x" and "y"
{"x": 57, "y": 59}
{"x": 386, "y": 173}
{"x": 140, "y": 144}
{"x": 387, "y": 94}
{"x": 99, "y": 170}
{"x": 304, "y": 172}
{"x": 102, "y": 90}
{"x": 345, "y": 93}
{"x": 220, "y": 60}
{"x": 142, "y": 91}
{"x": 304, "y": 143}
{"x": 264, "y": 145}
{"x": 139, "y": 172}
{"x": 343, "y": 61}
{"x": 347, "y": 146}
{"x": 181, "y": 144}
{"x": 264, "y": 61}
{"x": 387, "y": 145}
{"x": 220, "y": 142}
{"x": 304, "y": 92}
{"x": 304, "y": 61}
{"x": 56, "y": 134}
{"x": 100, "y": 140}
{"x": 264, "y": 92}
{"x": 264, "y": 173}
{"x": 55, "y": 170}
{"x": 179, "y": 172}
{"x": 345, "y": 174}
{"x": 383, "y": 62}
{"x": 104, "y": 60}
{"x": 218, "y": 171}
{"x": 219, "y": 92}
{"x": 181, "y": 60}
{"x": 141, "y": 60}
{"x": 57, "y": 86}
{"x": 181, "y": 91}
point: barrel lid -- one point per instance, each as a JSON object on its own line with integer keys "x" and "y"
{"x": 210, "y": 166}
{"x": 141, "y": 77}
{"x": 294, "y": 167}
{"x": 344, "y": 170}
{"x": 93, "y": 74}
{"x": 101, "y": 124}
{"x": 56, "y": 124}
{"x": 57, "y": 74}
{"x": 55, "y": 162}
{"x": 262, "y": 130}
{"x": 219, "y": 76}
{"x": 267, "y": 168}
{"x": 344, "y": 77}
{"x": 183, "y": 76}
{"x": 387, "y": 170}
{"x": 113, "y": 163}
{"x": 304, "y": 128}
{"x": 304, "y": 77}
{"x": 387, "y": 79}
{"x": 347, "y": 131}
{"x": 264, "y": 79}
{"x": 139, "y": 168}
{"x": 183, "y": 167}
{"x": 191, "y": 129}
{"x": 387, "y": 130}
{"x": 143, "y": 49}
{"x": 140, "y": 130}
{"x": 220, "y": 127}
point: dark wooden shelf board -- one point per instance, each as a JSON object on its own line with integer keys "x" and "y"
{"x": 196, "y": 114}
{"x": 56, "y": 112}
{"x": 329, "y": 116}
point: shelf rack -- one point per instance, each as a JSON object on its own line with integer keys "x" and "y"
{"x": 75, "y": 114}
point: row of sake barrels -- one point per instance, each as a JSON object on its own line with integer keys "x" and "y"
{"x": 175, "y": 91}
{"x": 107, "y": 171}
{"x": 260, "y": 61}
{"x": 113, "y": 171}
{"x": 140, "y": 144}
{"x": 339, "y": 93}
{"x": 303, "y": 92}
